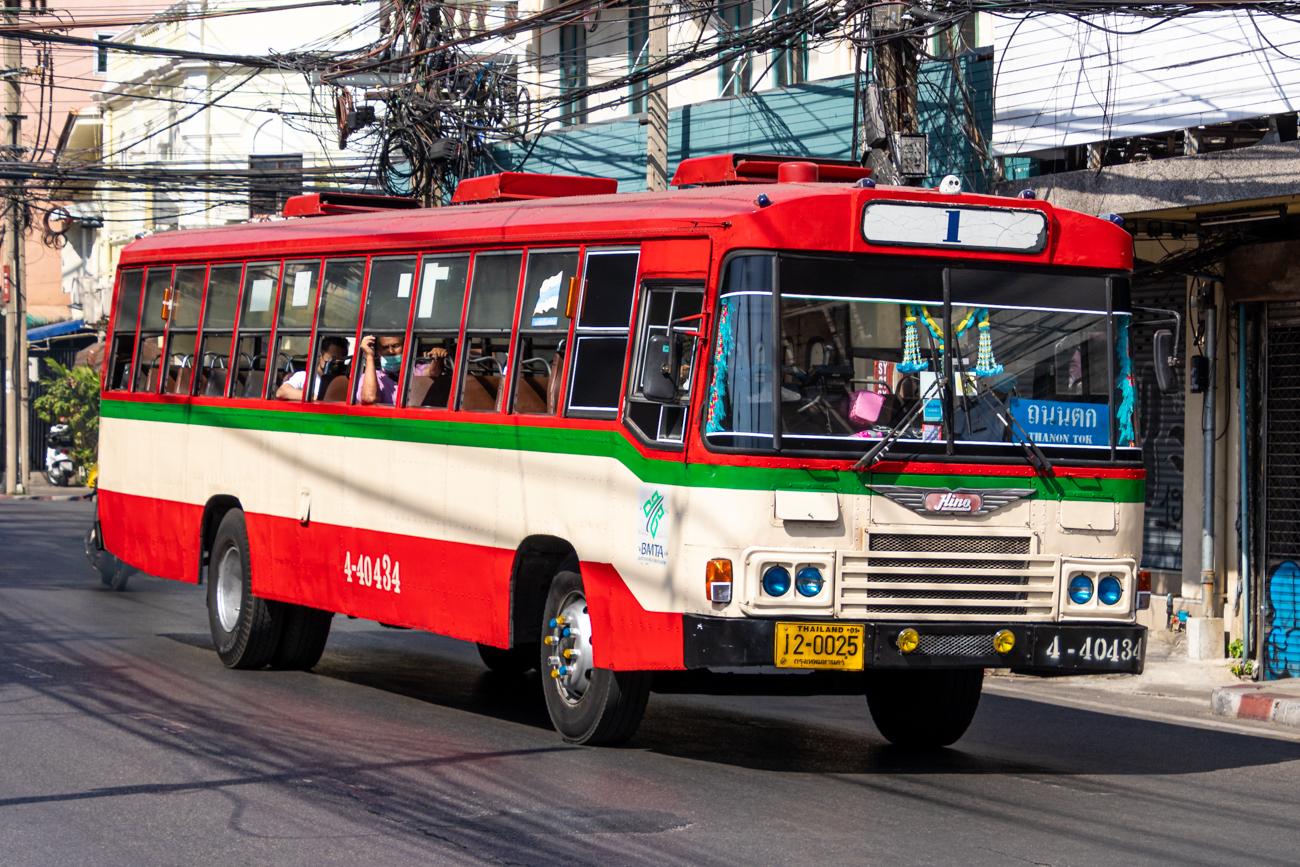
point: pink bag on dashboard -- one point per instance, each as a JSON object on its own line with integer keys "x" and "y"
{"x": 864, "y": 407}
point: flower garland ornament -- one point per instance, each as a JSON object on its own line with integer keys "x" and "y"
{"x": 985, "y": 363}
{"x": 912, "y": 361}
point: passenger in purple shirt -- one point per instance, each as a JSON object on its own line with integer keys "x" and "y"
{"x": 383, "y": 355}
{"x": 383, "y": 366}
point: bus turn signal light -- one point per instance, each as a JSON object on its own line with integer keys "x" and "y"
{"x": 1004, "y": 641}
{"x": 571, "y": 303}
{"x": 908, "y": 640}
{"x": 717, "y": 580}
{"x": 1144, "y": 590}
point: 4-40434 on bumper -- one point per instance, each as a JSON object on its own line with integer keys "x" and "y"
{"x": 1033, "y": 648}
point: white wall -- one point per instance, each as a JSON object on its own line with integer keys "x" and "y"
{"x": 1060, "y": 82}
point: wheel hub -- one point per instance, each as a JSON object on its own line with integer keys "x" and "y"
{"x": 230, "y": 588}
{"x": 570, "y": 644}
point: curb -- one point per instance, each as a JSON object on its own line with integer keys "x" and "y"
{"x": 1251, "y": 702}
{"x": 59, "y": 497}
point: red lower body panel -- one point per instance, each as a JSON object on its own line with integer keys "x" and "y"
{"x": 159, "y": 536}
{"x": 450, "y": 588}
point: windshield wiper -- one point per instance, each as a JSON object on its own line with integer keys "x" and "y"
{"x": 1033, "y": 454}
{"x": 897, "y": 430}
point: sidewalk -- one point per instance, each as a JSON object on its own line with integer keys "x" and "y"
{"x": 41, "y": 489}
{"x": 1172, "y": 688}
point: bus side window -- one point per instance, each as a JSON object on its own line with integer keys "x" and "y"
{"x": 218, "y": 328}
{"x": 336, "y": 325}
{"x": 183, "y": 330}
{"x": 488, "y": 324}
{"x": 127, "y": 315}
{"x": 149, "y": 364}
{"x": 383, "y": 330}
{"x": 253, "y": 356}
{"x": 293, "y": 353}
{"x": 436, "y": 331}
{"x": 600, "y": 339}
{"x": 543, "y": 331}
{"x": 661, "y": 305}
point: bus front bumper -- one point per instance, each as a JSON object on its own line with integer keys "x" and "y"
{"x": 1040, "y": 648}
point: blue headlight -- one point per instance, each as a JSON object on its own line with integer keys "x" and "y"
{"x": 1080, "y": 589}
{"x": 1109, "y": 589}
{"x": 776, "y": 581}
{"x": 809, "y": 581}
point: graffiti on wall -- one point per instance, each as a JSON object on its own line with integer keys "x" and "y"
{"x": 1282, "y": 648}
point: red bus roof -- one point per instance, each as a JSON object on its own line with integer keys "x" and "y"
{"x": 822, "y": 217}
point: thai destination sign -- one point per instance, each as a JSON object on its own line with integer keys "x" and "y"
{"x": 913, "y": 224}
{"x": 1056, "y": 422}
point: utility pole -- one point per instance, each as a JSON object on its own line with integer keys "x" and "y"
{"x": 891, "y": 112}
{"x": 15, "y": 389}
{"x": 656, "y": 100}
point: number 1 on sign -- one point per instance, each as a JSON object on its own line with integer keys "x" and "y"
{"x": 954, "y": 226}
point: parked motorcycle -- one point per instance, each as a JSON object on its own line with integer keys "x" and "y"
{"x": 59, "y": 467}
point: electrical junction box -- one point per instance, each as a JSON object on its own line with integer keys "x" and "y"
{"x": 1198, "y": 369}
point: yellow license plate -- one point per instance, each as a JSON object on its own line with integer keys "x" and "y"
{"x": 834, "y": 646}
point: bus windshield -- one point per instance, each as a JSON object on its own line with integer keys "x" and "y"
{"x": 863, "y": 339}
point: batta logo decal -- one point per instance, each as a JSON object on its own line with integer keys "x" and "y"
{"x": 946, "y": 501}
{"x": 652, "y": 532}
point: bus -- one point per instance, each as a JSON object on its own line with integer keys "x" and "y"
{"x": 778, "y": 419}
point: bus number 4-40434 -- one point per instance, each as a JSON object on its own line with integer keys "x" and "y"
{"x": 1096, "y": 649}
{"x": 381, "y": 573}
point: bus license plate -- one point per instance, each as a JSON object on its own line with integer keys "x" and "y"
{"x": 834, "y": 646}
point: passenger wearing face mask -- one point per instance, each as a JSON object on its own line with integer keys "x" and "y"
{"x": 383, "y": 366}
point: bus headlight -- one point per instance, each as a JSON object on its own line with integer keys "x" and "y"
{"x": 1109, "y": 590}
{"x": 776, "y": 581}
{"x": 1080, "y": 589}
{"x": 809, "y": 581}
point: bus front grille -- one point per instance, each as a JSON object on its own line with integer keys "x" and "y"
{"x": 903, "y": 575}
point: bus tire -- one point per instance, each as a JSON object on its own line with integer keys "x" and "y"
{"x": 245, "y": 629}
{"x": 925, "y": 708}
{"x": 593, "y": 706}
{"x": 303, "y": 633}
{"x": 119, "y": 575}
{"x": 513, "y": 660}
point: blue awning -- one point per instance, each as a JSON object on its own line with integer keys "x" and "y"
{"x": 58, "y": 329}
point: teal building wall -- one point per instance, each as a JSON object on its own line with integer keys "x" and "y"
{"x": 812, "y": 119}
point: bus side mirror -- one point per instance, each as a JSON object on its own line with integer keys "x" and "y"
{"x": 1166, "y": 369}
{"x": 659, "y": 369}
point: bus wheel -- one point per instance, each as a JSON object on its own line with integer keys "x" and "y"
{"x": 303, "y": 633}
{"x": 515, "y": 660}
{"x": 926, "y": 708}
{"x": 245, "y": 629}
{"x": 118, "y": 576}
{"x": 588, "y": 705}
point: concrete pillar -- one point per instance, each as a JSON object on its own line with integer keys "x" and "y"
{"x": 1205, "y": 638}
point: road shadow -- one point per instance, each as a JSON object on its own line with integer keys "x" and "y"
{"x": 1008, "y": 736}
{"x": 454, "y": 678}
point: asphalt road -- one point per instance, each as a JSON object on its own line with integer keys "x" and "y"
{"x": 124, "y": 741}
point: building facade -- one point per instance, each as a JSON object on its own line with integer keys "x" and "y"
{"x": 186, "y": 143}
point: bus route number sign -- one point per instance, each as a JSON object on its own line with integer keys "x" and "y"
{"x": 831, "y": 646}
{"x": 913, "y": 224}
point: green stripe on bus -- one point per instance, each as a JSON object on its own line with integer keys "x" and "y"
{"x": 598, "y": 443}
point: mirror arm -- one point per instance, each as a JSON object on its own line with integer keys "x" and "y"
{"x": 1176, "y": 318}
{"x": 698, "y": 334}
